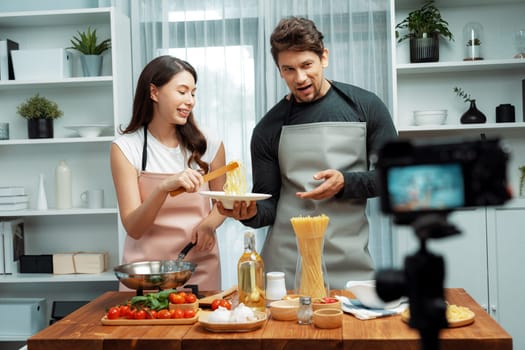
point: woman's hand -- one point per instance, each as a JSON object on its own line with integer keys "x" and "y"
{"x": 189, "y": 179}
{"x": 205, "y": 237}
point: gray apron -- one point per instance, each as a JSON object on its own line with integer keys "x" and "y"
{"x": 304, "y": 150}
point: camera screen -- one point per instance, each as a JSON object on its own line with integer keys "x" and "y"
{"x": 425, "y": 187}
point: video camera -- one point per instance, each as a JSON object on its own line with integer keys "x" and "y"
{"x": 416, "y": 179}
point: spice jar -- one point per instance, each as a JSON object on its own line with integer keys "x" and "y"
{"x": 305, "y": 312}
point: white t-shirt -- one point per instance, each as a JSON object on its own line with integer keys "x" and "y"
{"x": 163, "y": 159}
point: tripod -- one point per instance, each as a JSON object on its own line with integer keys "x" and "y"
{"x": 421, "y": 281}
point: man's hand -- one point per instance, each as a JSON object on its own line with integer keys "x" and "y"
{"x": 240, "y": 210}
{"x": 333, "y": 183}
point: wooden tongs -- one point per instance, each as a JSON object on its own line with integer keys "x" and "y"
{"x": 210, "y": 176}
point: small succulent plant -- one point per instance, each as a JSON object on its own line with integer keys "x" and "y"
{"x": 464, "y": 95}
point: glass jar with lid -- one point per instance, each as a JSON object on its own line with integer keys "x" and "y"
{"x": 473, "y": 40}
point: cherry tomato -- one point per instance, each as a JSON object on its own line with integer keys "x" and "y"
{"x": 183, "y": 294}
{"x": 163, "y": 314}
{"x": 113, "y": 313}
{"x": 140, "y": 315}
{"x": 225, "y": 303}
{"x": 177, "y": 313}
{"x": 328, "y": 300}
{"x": 151, "y": 314}
{"x": 215, "y": 304}
{"x": 189, "y": 313}
{"x": 124, "y": 310}
{"x": 190, "y": 298}
{"x": 176, "y": 298}
{"x": 131, "y": 314}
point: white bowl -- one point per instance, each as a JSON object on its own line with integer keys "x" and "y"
{"x": 365, "y": 292}
{"x": 437, "y": 117}
{"x": 88, "y": 130}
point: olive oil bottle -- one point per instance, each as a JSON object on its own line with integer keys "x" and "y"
{"x": 250, "y": 275}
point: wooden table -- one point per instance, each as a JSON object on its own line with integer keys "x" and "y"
{"x": 82, "y": 330}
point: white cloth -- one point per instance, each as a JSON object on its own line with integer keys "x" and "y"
{"x": 354, "y": 307}
{"x": 162, "y": 159}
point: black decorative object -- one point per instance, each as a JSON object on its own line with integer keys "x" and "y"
{"x": 473, "y": 115}
{"x": 40, "y": 128}
{"x": 424, "y": 49}
{"x": 505, "y": 113}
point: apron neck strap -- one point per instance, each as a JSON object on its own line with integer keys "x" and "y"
{"x": 145, "y": 148}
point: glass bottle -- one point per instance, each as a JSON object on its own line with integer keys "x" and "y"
{"x": 311, "y": 274}
{"x": 250, "y": 275}
{"x": 63, "y": 186}
{"x": 305, "y": 311}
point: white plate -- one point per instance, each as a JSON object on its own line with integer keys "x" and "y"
{"x": 88, "y": 130}
{"x": 232, "y": 327}
{"x": 227, "y": 200}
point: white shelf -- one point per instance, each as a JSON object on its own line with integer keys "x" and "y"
{"x": 58, "y": 212}
{"x": 57, "y": 140}
{"x": 59, "y": 83}
{"x": 107, "y": 276}
{"x": 54, "y": 17}
{"x": 461, "y": 66}
{"x": 487, "y": 128}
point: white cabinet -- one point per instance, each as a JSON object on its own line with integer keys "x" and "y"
{"x": 485, "y": 258}
{"x": 102, "y": 99}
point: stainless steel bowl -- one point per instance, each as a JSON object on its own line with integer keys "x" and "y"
{"x": 159, "y": 274}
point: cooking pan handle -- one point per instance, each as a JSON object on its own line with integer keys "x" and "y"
{"x": 186, "y": 250}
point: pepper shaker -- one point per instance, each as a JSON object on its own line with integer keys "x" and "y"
{"x": 305, "y": 312}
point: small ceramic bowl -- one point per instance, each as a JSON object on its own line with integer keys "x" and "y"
{"x": 284, "y": 310}
{"x": 328, "y": 318}
{"x": 317, "y": 304}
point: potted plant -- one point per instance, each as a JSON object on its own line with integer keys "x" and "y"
{"x": 472, "y": 115}
{"x": 91, "y": 49}
{"x": 423, "y": 27}
{"x": 472, "y": 34}
{"x": 40, "y": 113}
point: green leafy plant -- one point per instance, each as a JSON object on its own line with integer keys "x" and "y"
{"x": 424, "y": 22}
{"x": 39, "y": 107}
{"x": 476, "y": 42}
{"x": 465, "y": 96}
{"x": 86, "y": 43}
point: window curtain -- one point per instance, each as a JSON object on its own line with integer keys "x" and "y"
{"x": 227, "y": 41}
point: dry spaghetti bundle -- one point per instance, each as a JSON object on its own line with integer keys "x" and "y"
{"x": 309, "y": 232}
{"x": 235, "y": 181}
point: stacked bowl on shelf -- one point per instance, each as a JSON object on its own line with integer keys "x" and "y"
{"x": 435, "y": 117}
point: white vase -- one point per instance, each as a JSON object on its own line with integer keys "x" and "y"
{"x": 41, "y": 203}
{"x": 63, "y": 186}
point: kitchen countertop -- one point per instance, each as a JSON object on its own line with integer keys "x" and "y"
{"x": 82, "y": 329}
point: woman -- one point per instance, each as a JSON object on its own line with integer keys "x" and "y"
{"x": 162, "y": 149}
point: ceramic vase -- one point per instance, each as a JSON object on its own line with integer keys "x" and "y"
{"x": 42, "y": 197}
{"x": 91, "y": 65}
{"x": 40, "y": 128}
{"x": 473, "y": 115}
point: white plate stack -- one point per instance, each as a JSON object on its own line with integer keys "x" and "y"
{"x": 436, "y": 117}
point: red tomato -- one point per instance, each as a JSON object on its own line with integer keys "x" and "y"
{"x": 140, "y": 315}
{"x": 189, "y": 313}
{"x": 163, "y": 314}
{"x": 328, "y": 300}
{"x": 215, "y": 304}
{"x": 124, "y": 310}
{"x": 225, "y": 303}
{"x": 113, "y": 313}
{"x": 190, "y": 298}
{"x": 131, "y": 314}
{"x": 183, "y": 294}
{"x": 176, "y": 298}
{"x": 177, "y": 313}
{"x": 151, "y": 314}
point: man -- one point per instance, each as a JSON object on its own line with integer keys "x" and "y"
{"x": 311, "y": 153}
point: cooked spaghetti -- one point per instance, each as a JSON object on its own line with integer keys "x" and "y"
{"x": 236, "y": 181}
{"x": 310, "y": 232}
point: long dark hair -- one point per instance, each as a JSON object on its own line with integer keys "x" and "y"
{"x": 159, "y": 72}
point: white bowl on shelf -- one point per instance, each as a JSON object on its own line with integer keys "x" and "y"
{"x": 435, "y": 117}
{"x": 88, "y": 130}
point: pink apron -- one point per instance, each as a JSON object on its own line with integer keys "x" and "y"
{"x": 172, "y": 230}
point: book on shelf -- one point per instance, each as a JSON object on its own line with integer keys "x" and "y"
{"x": 13, "y": 236}
{"x": 12, "y": 191}
{"x": 14, "y": 199}
{"x": 14, "y": 206}
{"x": 7, "y": 71}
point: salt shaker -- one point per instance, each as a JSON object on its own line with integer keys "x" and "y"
{"x": 305, "y": 312}
{"x": 275, "y": 286}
